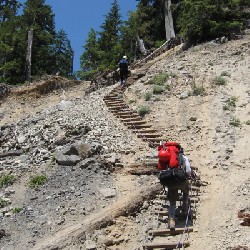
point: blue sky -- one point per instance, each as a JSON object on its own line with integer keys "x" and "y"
{"x": 77, "y": 17}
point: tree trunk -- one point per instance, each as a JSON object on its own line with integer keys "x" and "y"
{"x": 169, "y": 25}
{"x": 141, "y": 46}
{"x": 28, "y": 57}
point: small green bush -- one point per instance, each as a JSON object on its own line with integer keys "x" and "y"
{"x": 219, "y": 80}
{"x": 6, "y": 180}
{"x": 132, "y": 101}
{"x": 225, "y": 73}
{"x": 159, "y": 79}
{"x": 167, "y": 87}
{"x": 248, "y": 122}
{"x": 3, "y": 203}
{"x": 148, "y": 96}
{"x": 157, "y": 99}
{"x": 38, "y": 180}
{"x": 158, "y": 90}
{"x": 232, "y": 101}
{"x": 16, "y": 210}
{"x": 143, "y": 110}
{"x": 198, "y": 91}
{"x": 226, "y": 107}
{"x": 235, "y": 122}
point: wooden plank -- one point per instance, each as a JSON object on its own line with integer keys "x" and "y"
{"x": 135, "y": 123}
{"x": 131, "y": 119}
{"x": 168, "y": 231}
{"x": 140, "y": 126}
{"x": 140, "y": 135}
{"x": 166, "y": 245}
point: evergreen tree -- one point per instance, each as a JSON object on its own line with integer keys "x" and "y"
{"x": 11, "y": 44}
{"x": 39, "y": 17}
{"x": 129, "y": 36}
{"x": 63, "y": 54}
{"x": 152, "y": 22}
{"x": 91, "y": 57}
{"x": 202, "y": 20}
{"x": 8, "y": 9}
{"x": 109, "y": 40}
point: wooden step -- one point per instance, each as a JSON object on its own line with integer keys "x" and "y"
{"x": 128, "y": 112}
{"x": 108, "y": 102}
{"x": 154, "y": 139}
{"x": 165, "y": 245}
{"x": 148, "y": 135}
{"x": 192, "y": 199}
{"x": 116, "y": 111}
{"x": 135, "y": 123}
{"x": 134, "y": 119}
{"x": 117, "y": 104}
{"x": 139, "y": 126}
{"x": 144, "y": 131}
{"x": 118, "y": 107}
{"x": 111, "y": 98}
{"x": 177, "y": 215}
{"x": 171, "y": 232}
{"x": 128, "y": 116}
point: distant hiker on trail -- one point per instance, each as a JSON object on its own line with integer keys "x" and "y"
{"x": 175, "y": 172}
{"x": 123, "y": 67}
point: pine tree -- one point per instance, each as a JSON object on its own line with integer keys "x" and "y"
{"x": 152, "y": 22}
{"x": 8, "y": 9}
{"x": 63, "y": 54}
{"x": 39, "y": 17}
{"x": 203, "y": 20}
{"x": 109, "y": 40}
{"x": 11, "y": 44}
{"x": 91, "y": 57}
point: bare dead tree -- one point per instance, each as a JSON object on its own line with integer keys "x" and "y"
{"x": 169, "y": 25}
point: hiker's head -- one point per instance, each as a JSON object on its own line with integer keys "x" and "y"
{"x": 124, "y": 57}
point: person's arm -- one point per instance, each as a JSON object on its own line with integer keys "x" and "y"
{"x": 188, "y": 166}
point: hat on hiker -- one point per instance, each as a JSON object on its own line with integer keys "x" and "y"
{"x": 124, "y": 57}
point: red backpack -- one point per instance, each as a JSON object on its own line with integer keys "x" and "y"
{"x": 168, "y": 155}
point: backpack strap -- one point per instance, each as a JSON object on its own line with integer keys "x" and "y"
{"x": 181, "y": 161}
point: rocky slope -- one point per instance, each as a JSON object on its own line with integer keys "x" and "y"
{"x": 83, "y": 150}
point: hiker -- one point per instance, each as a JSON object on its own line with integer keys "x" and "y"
{"x": 123, "y": 66}
{"x": 175, "y": 172}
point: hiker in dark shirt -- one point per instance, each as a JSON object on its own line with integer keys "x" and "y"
{"x": 123, "y": 67}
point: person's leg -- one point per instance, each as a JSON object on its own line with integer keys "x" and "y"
{"x": 185, "y": 190}
{"x": 172, "y": 196}
{"x": 121, "y": 77}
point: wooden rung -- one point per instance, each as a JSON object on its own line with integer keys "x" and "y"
{"x": 155, "y": 139}
{"x": 135, "y": 123}
{"x": 139, "y": 126}
{"x": 143, "y": 131}
{"x": 140, "y": 135}
{"x": 177, "y": 214}
{"x": 166, "y": 245}
{"x": 135, "y": 119}
{"x": 128, "y": 116}
{"x": 117, "y": 107}
{"x": 194, "y": 188}
{"x": 168, "y": 231}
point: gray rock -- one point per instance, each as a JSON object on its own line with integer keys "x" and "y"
{"x": 108, "y": 192}
{"x": 90, "y": 245}
{"x": 85, "y": 163}
{"x": 67, "y": 160}
{"x": 183, "y": 95}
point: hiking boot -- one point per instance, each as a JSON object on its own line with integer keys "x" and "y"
{"x": 171, "y": 224}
